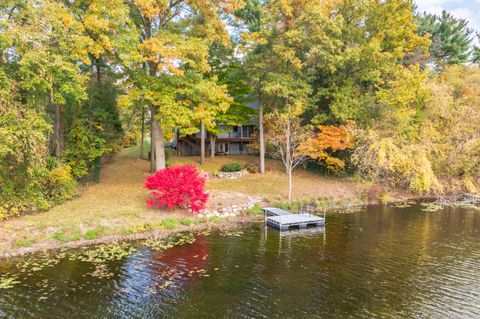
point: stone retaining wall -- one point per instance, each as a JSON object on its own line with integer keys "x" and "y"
{"x": 232, "y": 175}
{"x": 233, "y": 210}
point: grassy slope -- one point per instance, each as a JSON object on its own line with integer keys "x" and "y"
{"x": 116, "y": 206}
{"x": 274, "y": 184}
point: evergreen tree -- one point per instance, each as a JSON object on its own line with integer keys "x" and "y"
{"x": 451, "y": 38}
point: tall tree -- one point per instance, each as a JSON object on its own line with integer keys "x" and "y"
{"x": 229, "y": 68}
{"x": 255, "y": 65}
{"x": 279, "y": 57}
{"x": 172, "y": 37}
{"x": 353, "y": 49}
{"x": 209, "y": 100}
{"x": 48, "y": 47}
{"x": 476, "y": 51}
{"x": 275, "y": 60}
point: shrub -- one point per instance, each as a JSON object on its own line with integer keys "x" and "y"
{"x": 59, "y": 185}
{"x": 385, "y": 160}
{"x": 178, "y": 186}
{"x": 84, "y": 146}
{"x": 251, "y": 168}
{"x": 231, "y": 167}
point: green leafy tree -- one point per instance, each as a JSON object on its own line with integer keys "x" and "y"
{"x": 172, "y": 38}
{"x": 354, "y": 48}
{"x": 451, "y": 38}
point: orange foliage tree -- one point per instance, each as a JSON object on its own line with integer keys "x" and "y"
{"x": 329, "y": 140}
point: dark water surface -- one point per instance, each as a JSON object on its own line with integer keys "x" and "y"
{"x": 378, "y": 263}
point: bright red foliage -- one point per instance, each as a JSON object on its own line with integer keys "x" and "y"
{"x": 178, "y": 186}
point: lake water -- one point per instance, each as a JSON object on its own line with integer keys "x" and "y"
{"x": 381, "y": 262}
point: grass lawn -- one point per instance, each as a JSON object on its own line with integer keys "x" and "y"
{"x": 116, "y": 205}
{"x": 273, "y": 185}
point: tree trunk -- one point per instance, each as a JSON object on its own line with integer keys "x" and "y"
{"x": 290, "y": 182}
{"x": 152, "y": 147}
{"x": 142, "y": 140}
{"x": 202, "y": 142}
{"x": 288, "y": 161}
{"x": 98, "y": 73}
{"x": 212, "y": 146}
{"x": 261, "y": 139}
{"x": 159, "y": 147}
{"x": 58, "y": 138}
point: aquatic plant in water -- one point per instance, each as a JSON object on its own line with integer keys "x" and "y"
{"x": 431, "y": 207}
{"x": 101, "y": 271}
{"x": 404, "y": 205}
{"x": 231, "y": 233}
{"x": 38, "y": 264}
{"x": 176, "y": 240}
{"x": 7, "y": 282}
{"x": 104, "y": 253}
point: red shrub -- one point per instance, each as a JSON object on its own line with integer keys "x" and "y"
{"x": 178, "y": 186}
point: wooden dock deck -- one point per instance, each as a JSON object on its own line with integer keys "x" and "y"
{"x": 284, "y": 220}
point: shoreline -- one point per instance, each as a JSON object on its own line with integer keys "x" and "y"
{"x": 114, "y": 209}
{"x": 227, "y": 223}
{"x": 224, "y": 223}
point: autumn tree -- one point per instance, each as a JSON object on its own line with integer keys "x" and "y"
{"x": 286, "y": 134}
{"x": 276, "y": 60}
{"x": 352, "y": 49}
{"x": 37, "y": 70}
{"x": 208, "y": 100}
{"x": 255, "y": 64}
{"x": 395, "y": 149}
{"x": 230, "y": 71}
{"x": 327, "y": 142}
{"x": 48, "y": 44}
{"x": 172, "y": 37}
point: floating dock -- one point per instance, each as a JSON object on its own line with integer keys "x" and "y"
{"x": 284, "y": 220}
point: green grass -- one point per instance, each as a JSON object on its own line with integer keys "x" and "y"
{"x": 213, "y": 219}
{"x": 273, "y": 185}
{"x": 255, "y": 210}
{"x": 186, "y": 221}
{"x": 170, "y": 223}
{"x": 60, "y": 236}
{"x": 24, "y": 242}
{"x": 94, "y": 233}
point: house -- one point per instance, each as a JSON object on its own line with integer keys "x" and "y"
{"x": 233, "y": 140}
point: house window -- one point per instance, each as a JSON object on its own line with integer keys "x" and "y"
{"x": 247, "y": 131}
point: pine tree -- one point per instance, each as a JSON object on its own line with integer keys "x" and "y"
{"x": 451, "y": 38}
